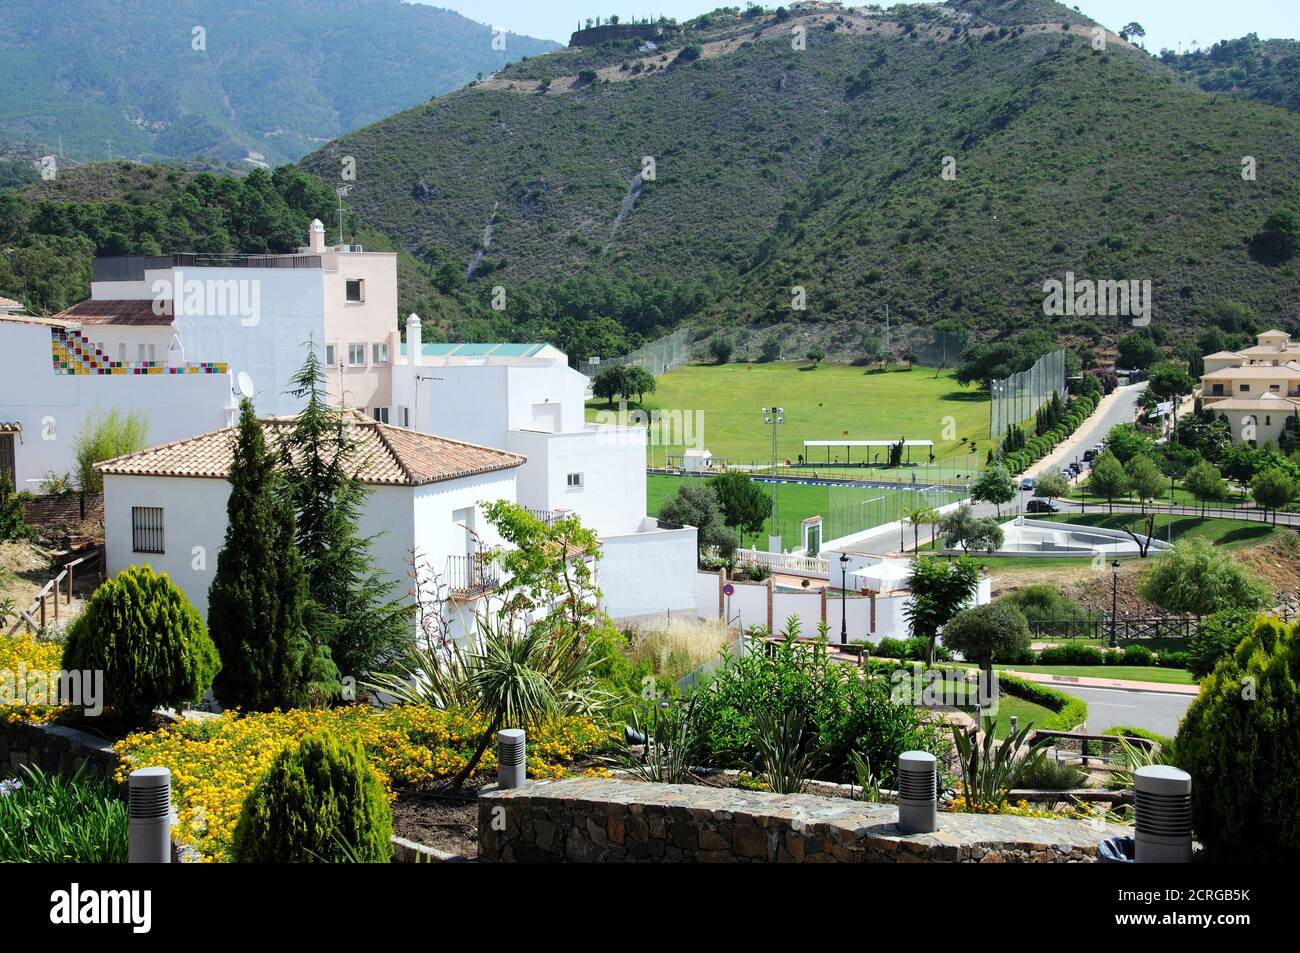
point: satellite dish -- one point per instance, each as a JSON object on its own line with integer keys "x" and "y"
{"x": 245, "y": 384}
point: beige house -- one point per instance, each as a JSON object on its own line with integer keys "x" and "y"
{"x": 1257, "y": 389}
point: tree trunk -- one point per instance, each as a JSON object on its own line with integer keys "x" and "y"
{"x": 483, "y": 743}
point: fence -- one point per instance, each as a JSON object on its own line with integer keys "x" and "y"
{"x": 943, "y": 351}
{"x": 37, "y": 614}
{"x": 1018, "y": 397}
{"x": 657, "y": 357}
{"x": 1126, "y": 629}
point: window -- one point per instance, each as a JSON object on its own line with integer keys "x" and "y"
{"x": 331, "y": 354}
{"x": 147, "y": 529}
{"x": 1244, "y": 388}
{"x": 379, "y": 353}
{"x": 1274, "y": 386}
{"x": 7, "y": 469}
{"x": 140, "y": 353}
{"x": 356, "y": 290}
{"x": 575, "y": 481}
{"x": 381, "y": 414}
{"x": 121, "y": 352}
{"x": 357, "y": 355}
{"x": 406, "y": 417}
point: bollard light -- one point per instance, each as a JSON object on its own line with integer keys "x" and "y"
{"x": 149, "y": 831}
{"x": 1162, "y": 798}
{"x": 918, "y": 801}
{"x": 510, "y": 758}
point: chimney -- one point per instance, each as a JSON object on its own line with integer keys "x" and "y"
{"x": 413, "y": 340}
{"x": 316, "y": 237}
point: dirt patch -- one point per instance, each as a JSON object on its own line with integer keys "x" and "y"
{"x": 438, "y": 817}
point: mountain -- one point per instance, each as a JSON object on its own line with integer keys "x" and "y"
{"x": 1250, "y": 68}
{"x": 777, "y": 168}
{"x": 226, "y": 78}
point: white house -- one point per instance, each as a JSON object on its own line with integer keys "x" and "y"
{"x": 166, "y": 506}
{"x": 526, "y": 399}
{"x": 53, "y": 376}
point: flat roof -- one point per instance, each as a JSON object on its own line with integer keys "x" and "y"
{"x": 479, "y": 350}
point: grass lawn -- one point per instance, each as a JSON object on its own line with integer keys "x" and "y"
{"x": 829, "y": 402}
{"x": 1220, "y": 532}
{"x": 1136, "y": 673}
{"x": 845, "y": 509}
{"x": 1026, "y": 712}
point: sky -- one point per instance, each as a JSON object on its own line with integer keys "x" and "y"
{"x": 1167, "y": 22}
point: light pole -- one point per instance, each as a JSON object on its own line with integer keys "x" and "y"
{"x": 774, "y": 417}
{"x": 1114, "y": 602}
{"x": 844, "y": 599}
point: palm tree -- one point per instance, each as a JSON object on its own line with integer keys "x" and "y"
{"x": 917, "y": 517}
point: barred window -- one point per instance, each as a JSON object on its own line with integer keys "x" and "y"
{"x": 147, "y": 529}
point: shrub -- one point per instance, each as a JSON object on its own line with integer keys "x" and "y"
{"x": 845, "y": 712}
{"x": 1071, "y": 655}
{"x": 104, "y": 436}
{"x": 1048, "y": 774}
{"x": 891, "y": 648}
{"x": 53, "y": 819}
{"x": 1174, "y": 660}
{"x": 1136, "y": 655}
{"x": 318, "y": 803}
{"x": 1068, "y": 711}
{"x": 988, "y": 634}
{"x": 1217, "y": 636}
{"x": 151, "y": 645}
{"x": 1240, "y": 741}
{"x": 12, "y": 525}
{"x": 27, "y": 652}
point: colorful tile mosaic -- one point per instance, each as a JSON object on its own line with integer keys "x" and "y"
{"x": 72, "y": 353}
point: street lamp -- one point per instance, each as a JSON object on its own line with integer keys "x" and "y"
{"x": 1114, "y": 602}
{"x": 774, "y": 417}
{"x": 844, "y": 599}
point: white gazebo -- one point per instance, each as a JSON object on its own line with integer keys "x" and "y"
{"x": 888, "y": 575}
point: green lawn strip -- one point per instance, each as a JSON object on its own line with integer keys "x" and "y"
{"x": 832, "y": 401}
{"x": 1134, "y": 673}
{"x": 1221, "y": 532}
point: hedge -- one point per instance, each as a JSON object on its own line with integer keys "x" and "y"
{"x": 1068, "y": 711}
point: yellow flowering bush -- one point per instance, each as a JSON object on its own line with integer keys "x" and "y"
{"x": 19, "y": 655}
{"x": 1078, "y": 811}
{"x": 215, "y": 763}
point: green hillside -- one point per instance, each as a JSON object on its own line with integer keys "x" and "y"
{"x": 273, "y": 79}
{"x": 820, "y": 168}
{"x": 1250, "y": 68}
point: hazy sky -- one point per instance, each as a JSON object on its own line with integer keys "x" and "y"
{"x": 1167, "y": 22}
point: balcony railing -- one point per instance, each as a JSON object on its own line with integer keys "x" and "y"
{"x": 471, "y": 575}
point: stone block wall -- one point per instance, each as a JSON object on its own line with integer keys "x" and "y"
{"x": 52, "y": 748}
{"x": 613, "y": 821}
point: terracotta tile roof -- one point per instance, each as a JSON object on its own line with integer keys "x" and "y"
{"x": 10, "y": 426}
{"x": 9, "y": 304}
{"x": 385, "y": 455}
{"x": 1265, "y": 402}
{"x": 1287, "y": 371}
{"x": 120, "y": 313}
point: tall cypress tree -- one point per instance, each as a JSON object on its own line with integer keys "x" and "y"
{"x": 350, "y": 608}
{"x": 256, "y": 601}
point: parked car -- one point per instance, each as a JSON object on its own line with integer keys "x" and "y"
{"x": 1027, "y": 483}
{"x": 1088, "y": 455}
{"x": 1042, "y": 506}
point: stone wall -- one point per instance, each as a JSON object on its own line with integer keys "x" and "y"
{"x": 52, "y": 748}
{"x": 59, "y": 514}
{"x": 613, "y": 821}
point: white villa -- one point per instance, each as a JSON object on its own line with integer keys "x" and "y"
{"x": 178, "y": 337}
{"x": 1256, "y": 389}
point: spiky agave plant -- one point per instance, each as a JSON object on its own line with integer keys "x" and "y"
{"x": 668, "y": 735}
{"x": 991, "y": 769}
{"x": 787, "y": 751}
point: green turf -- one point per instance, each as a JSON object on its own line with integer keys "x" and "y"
{"x": 826, "y": 403}
{"x": 1135, "y": 673}
{"x": 1221, "y": 532}
{"x": 845, "y": 510}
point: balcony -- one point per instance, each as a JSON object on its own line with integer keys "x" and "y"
{"x": 470, "y": 576}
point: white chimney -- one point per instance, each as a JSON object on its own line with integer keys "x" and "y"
{"x": 414, "y": 343}
{"x": 316, "y": 237}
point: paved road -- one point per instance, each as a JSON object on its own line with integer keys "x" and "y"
{"x": 1155, "y": 711}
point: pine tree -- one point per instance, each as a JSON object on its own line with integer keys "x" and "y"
{"x": 350, "y": 611}
{"x": 256, "y": 601}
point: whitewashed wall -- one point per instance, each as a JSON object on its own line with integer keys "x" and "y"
{"x": 52, "y": 407}
{"x": 649, "y": 575}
